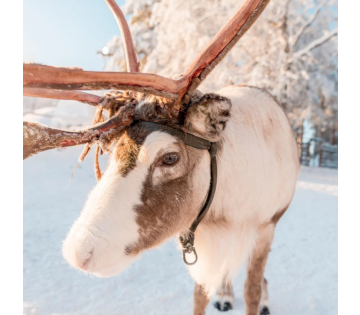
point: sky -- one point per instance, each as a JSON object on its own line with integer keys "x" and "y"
{"x": 67, "y": 33}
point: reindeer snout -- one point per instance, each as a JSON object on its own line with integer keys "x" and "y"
{"x": 78, "y": 249}
{"x": 84, "y": 262}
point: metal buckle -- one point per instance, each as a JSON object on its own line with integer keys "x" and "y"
{"x": 188, "y": 247}
{"x": 188, "y": 250}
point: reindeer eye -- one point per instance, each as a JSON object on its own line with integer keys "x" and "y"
{"x": 170, "y": 159}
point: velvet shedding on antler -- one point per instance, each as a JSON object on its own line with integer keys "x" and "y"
{"x": 38, "y": 138}
{"x": 64, "y": 83}
{"x": 86, "y": 98}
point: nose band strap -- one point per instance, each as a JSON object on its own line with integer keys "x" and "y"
{"x": 187, "y": 240}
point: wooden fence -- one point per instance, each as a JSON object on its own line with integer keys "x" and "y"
{"x": 318, "y": 153}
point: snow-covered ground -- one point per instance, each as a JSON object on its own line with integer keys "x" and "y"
{"x": 62, "y": 114}
{"x": 302, "y": 267}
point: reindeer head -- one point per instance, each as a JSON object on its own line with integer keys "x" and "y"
{"x": 155, "y": 184}
{"x": 154, "y": 188}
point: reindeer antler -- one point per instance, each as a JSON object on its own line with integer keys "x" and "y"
{"x": 130, "y": 53}
{"x": 45, "y": 78}
{"x": 38, "y": 138}
{"x": 39, "y": 76}
{"x": 87, "y": 98}
{"x": 221, "y": 44}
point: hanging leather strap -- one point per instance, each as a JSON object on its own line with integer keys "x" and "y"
{"x": 187, "y": 240}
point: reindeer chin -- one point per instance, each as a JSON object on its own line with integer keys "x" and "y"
{"x": 116, "y": 269}
{"x": 94, "y": 255}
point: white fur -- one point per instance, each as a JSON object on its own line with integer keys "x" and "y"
{"x": 256, "y": 178}
{"x": 106, "y": 225}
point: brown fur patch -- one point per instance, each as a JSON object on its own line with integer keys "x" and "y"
{"x": 256, "y": 268}
{"x": 200, "y": 300}
{"x": 275, "y": 219}
{"x": 166, "y": 207}
{"x": 126, "y": 153}
{"x": 128, "y": 148}
{"x": 211, "y": 108}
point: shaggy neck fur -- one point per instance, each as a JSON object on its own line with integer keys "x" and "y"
{"x": 257, "y": 170}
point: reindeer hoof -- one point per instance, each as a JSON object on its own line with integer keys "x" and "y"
{"x": 223, "y": 307}
{"x": 265, "y": 311}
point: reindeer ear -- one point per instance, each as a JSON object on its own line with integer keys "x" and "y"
{"x": 208, "y": 115}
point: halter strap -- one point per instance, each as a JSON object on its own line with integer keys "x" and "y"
{"x": 187, "y": 241}
{"x": 188, "y": 138}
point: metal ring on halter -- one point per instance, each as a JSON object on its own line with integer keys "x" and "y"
{"x": 189, "y": 250}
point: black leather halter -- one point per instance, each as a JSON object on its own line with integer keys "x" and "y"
{"x": 187, "y": 241}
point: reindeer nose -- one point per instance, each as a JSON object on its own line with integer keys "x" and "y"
{"x": 83, "y": 261}
{"x": 78, "y": 249}
{"x": 77, "y": 256}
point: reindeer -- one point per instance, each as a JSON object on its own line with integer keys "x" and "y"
{"x": 217, "y": 169}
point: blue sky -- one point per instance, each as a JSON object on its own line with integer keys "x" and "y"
{"x": 67, "y": 32}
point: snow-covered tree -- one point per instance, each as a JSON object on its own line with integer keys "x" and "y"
{"x": 291, "y": 50}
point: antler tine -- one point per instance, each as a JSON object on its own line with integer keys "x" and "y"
{"x": 40, "y": 76}
{"x": 87, "y": 98}
{"x": 221, "y": 44}
{"x": 130, "y": 53}
{"x": 38, "y": 138}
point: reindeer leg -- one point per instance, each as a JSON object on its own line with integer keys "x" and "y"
{"x": 224, "y": 297}
{"x": 200, "y": 300}
{"x": 264, "y": 302}
{"x": 255, "y": 285}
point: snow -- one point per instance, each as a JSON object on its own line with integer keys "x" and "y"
{"x": 33, "y": 103}
{"x": 301, "y": 270}
{"x": 65, "y": 114}
{"x": 42, "y": 115}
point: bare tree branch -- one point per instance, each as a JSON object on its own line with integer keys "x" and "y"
{"x": 312, "y": 45}
{"x": 307, "y": 24}
{"x": 205, "y": 17}
{"x": 284, "y": 26}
